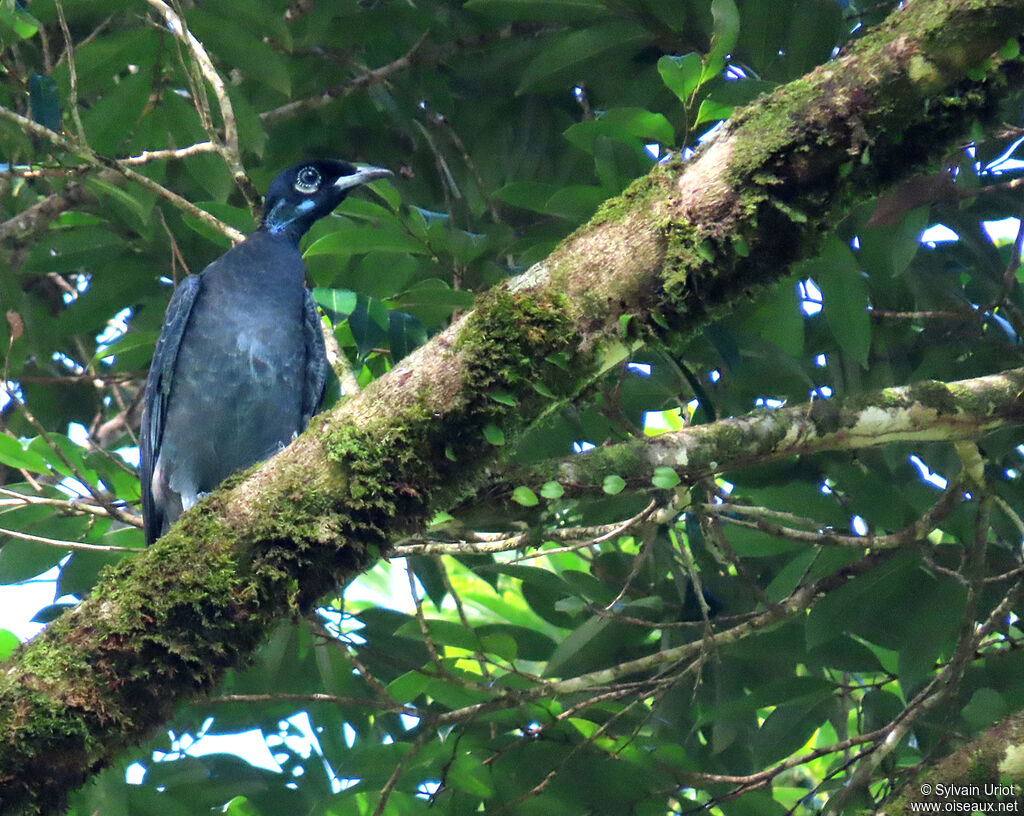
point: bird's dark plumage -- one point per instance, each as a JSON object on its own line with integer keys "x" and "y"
{"x": 240, "y": 365}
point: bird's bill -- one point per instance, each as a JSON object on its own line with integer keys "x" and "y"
{"x": 361, "y": 176}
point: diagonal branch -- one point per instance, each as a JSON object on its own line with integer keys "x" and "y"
{"x": 372, "y": 77}
{"x": 95, "y": 159}
{"x": 684, "y": 242}
{"x": 929, "y": 411}
{"x": 229, "y": 148}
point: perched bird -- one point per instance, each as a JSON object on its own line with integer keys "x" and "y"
{"x": 240, "y": 365}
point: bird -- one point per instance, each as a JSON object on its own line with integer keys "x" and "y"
{"x": 240, "y": 365}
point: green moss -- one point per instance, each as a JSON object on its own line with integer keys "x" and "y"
{"x": 647, "y": 188}
{"x": 936, "y": 395}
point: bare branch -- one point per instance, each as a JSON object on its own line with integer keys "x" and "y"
{"x": 147, "y": 156}
{"x": 229, "y": 149}
{"x": 97, "y": 160}
{"x": 374, "y": 77}
{"x": 66, "y": 545}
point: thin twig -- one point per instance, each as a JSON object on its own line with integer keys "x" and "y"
{"x": 229, "y": 148}
{"x": 482, "y": 543}
{"x": 147, "y": 156}
{"x": 114, "y": 512}
{"x": 66, "y": 545}
{"x": 389, "y": 786}
{"x": 15, "y": 499}
{"x": 333, "y": 699}
{"x": 69, "y": 49}
{"x": 374, "y": 77}
{"x": 98, "y": 160}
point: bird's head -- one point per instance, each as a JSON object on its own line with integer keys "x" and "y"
{"x": 307, "y": 192}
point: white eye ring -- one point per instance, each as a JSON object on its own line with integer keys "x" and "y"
{"x": 307, "y": 180}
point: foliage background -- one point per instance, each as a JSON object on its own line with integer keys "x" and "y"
{"x": 507, "y": 123}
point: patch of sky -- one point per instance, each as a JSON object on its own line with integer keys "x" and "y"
{"x": 427, "y": 789}
{"x": 811, "y": 299}
{"x": 1005, "y": 163}
{"x": 10, "y": 390}
{"x": 711, "y": 133}
{"x": 1002, "y": 231}
{"x": 68, "y": 363}
{"x": 927, "y": 474}
{"x": 938, "y": 234}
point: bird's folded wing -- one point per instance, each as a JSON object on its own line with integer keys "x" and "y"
{"x": 158, "y": 390}
{"x": 316, "y": 359}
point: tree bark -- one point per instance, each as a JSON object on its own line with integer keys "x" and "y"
{"x": 675, "y": 249}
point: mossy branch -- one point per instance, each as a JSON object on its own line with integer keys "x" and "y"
{"x": 684, "y": 242}
{"x": 922, "y": 412}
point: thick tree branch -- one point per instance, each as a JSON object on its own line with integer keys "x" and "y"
{"x": 922, "y": 412}
{"x": 684, "y": 242}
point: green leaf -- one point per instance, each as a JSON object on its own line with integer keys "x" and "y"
{"x": 494, "y": 435}
{"x": 67, "y": 250}
{"x": 524, "y": 496}
{"x": 8, "y": 643}
{"x": 13, "y": 454}
{"x": 527, "y": 195}
{"x": 556, "y": 11}
{"x": 136, "y": 204}
{"x": 712, "y": 110}
{"x": 80, "y": 573}
{"x": 626, "y": 124}
{"x": 529, "y": 643}
{"x": 21, "y": 560}
{"x": 665, "y": 478}
{"x": 681, "y": 75}
{"x": 235, "y": 48}
{"x": 577, "y": 642}
{"x": 337, "y": 303}
{"x": 130, "y": 342}
{"x": 503, "y": 398}
{"x": 354, "y": 239}
{"x": 469, "y": 774}
{"x": 778, "y": 320}
{"x": 888, "y": 250}
{"x": 846, "y": 608}
{"x": 405, "y": 333}
{"x": 433, "y": 301}
{"x": 568, "y": 50}
{"x": 499, "y": 645}
{"x": 790, "y": 726}
{"x": 724, "y": 32}
{"x": 1010, "y": 50}
{"x": 407, "y": 687}
{"x": 844, "y": 292}
{"x": 613, "y": 484}
{"x": 577, "y": 202}
{"x": 369, "y": 322}
{"x": 241, "y": 806}
{"x": 985, "y": 707}
{"x": 552, "y": 490}
{"x": 23, "y": 24}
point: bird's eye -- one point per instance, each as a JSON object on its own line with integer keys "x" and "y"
{"x": 307, "y": 180}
